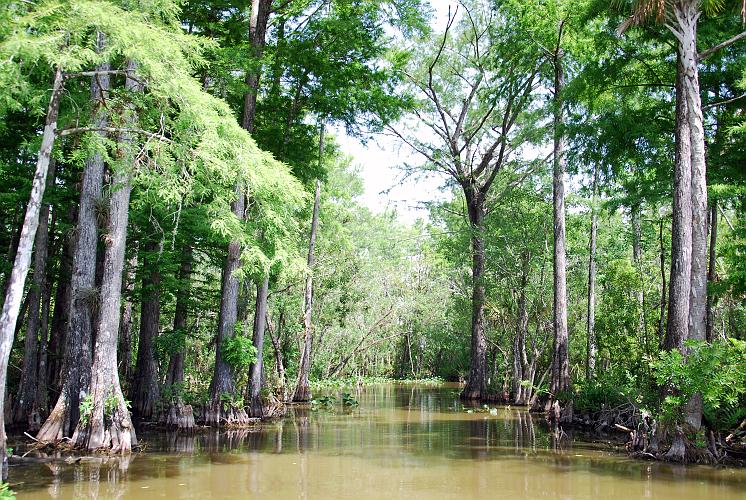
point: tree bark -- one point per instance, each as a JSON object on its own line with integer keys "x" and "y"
{"x": 302, "y": 390}
{"x": 260, "y": 12}
{"x": 256, "y": 408}
{"x": 590, "y": 362}
{"x": 222, "y": 379}
{"x": 687, "y": 15}
{"x": 662, "y": 317}
{"x": 677, "y": 330}
{"x": 560, "y": 373}
{"x": 125, "y": 328}
{"x": 222, "y": 382}
{"x": 61, "y": 316}
{"x": 274, "y": 336}
{"x": 178, "y": 414}
{"x": 22, "y": 261}
{"x": 637, "y": 260}
{"x": 690, "y": 92}
{"x": 681, "y": 232}
{"x": 146, "y": 389}
{"x": 28, "y": 411}
{"x": 712, "y": 272}
{"x": 520, "y": 363}
{"x": 76, "y": 364}
{"x": 108, "y": 424}
{"x": 475, "y": 387}
{"x": 42, "y": 388}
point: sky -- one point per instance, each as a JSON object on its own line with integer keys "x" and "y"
{"x": 386, "y": 186}
{"x": 382, "y": 157}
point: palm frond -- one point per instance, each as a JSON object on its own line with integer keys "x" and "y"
{"x": 643, "y": 11}
{"x": 713, "y": 7}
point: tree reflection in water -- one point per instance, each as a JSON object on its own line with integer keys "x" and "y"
{"x": 401, "y": 441}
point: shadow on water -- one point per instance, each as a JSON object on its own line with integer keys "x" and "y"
{"x": 395, "y": 426}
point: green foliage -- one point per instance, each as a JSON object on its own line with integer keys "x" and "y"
{"x": 391, "y": 300}
{"x": 111, "y": 404}
{"x": 238, "y": 352}
{"x": 324, "y": 403}
{"x": 174, "y": 392}
{"x": 231, "y": 400}
{"x": 86, "y": 409}
{"x": 168, "y": 343}
{"x": 6, "y": 493}
{"x": 717, "y": 371}
{"x": 348, "y": 400}
{"x": 595, "y": 395}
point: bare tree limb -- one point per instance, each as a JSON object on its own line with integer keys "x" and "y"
{"x": 707, "y": 53}
{"x": 112, "y": 130}
{"x": 722, "y": 103}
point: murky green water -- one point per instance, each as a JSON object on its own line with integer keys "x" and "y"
{"x": 402, "y": 442}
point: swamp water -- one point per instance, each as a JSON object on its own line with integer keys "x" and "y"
{"x": 403, "y": 441}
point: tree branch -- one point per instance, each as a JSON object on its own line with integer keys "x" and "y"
{"x": 112, "y": 130}
{"x": 433, "y": 94}
{"x": 706, "y": 53}
{"x": 423, "y": 152}
{"x": 722, "y": 103}
{"x": 81, "y": 74}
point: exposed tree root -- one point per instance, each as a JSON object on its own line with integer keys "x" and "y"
{"x": 57, "y": 424}
{"x": 274, "y": 407}
{"x": 471, "y": 395}
{"x": 108, "y": 426}
{"x": 222, "y": 414}
{"x": 648, "y": 440}
{"x": 179, "y": 416}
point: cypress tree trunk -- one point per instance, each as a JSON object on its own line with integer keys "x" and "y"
{"x": 560, "y": 372}
{"x": 302, "y": 390}
{"x": 42, "y": 388}
{"x": 178, "y": 414}
{"x": 108, "y": 425}
{"x": 260, "y": 12}
{"x": 712, "y": 272}
{"x": 688, "y": 18}
{"x": 681, "y": 242}
{"x": 42, "y": 396}
{"x": 681, "y": 233}
{"x": 475, "y": 387}
{"x": 662, "y": 317}
{"x": 520, "y": 363}
{"x": 28, "y": 411}
{"x": 274, "y": 336}
{"x": 125, "y": 328}
{"x": 22, "y": 261}
{"x": 256, "y": 378}
{"x": 60, "y": 316}
{"x": 590, "y": 362}
{"x": 218, "y": 412}
{"x": 76, "y": 364}
{"x": 637, "y": 260}
{"x": 146, "y": 389}
{"x": 222, "y": 381}
{"x": 690, "y": 88}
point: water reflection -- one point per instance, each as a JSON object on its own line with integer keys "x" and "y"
{"x": 402, "y": 441}
{"x": 88, "y": 477}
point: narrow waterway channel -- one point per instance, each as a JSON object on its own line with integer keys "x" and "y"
{"x": 402, "y": 441}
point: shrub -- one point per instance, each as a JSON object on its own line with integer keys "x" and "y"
{"x": 717, "y": 371}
